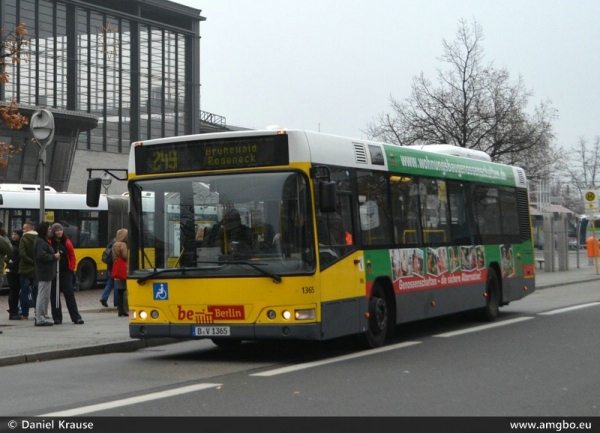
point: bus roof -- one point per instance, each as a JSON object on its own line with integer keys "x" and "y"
{"x": 52, "y": 200}
{"x": 435, "y": 160}
{"x": 23, "y": 187}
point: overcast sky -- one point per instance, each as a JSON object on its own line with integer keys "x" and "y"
{"x": 331, "y": 65}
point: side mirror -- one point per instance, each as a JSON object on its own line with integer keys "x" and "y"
{"x": 94, "y": 187}
{"x": 327, "y": 194}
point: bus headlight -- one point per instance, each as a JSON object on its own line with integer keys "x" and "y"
{"x": 143, "y": 315}
{"x": 154, "y": 314}
{"x": 271, "y": 314}
{"x": 305, "y": 314}
{"x": 287, "y": 315}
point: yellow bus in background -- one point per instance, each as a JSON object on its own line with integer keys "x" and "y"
{"x": 90, "y": 229}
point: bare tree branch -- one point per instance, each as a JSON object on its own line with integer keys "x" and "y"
{"x": 473, "y": 105}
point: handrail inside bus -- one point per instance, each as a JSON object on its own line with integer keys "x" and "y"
{"x": 426, "y": 234}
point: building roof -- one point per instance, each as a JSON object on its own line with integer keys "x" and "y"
{"x": 552, "y": 208}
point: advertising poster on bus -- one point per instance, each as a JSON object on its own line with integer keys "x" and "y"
{"x": 419, "y": 269}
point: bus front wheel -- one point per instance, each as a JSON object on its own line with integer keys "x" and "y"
{"x": 378, "y": 318}
{"x": 86, "y": 272}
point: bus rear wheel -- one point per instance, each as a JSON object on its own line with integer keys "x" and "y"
{"x": 86, "y": 272}
{"x": 378, "y": 322}
{"x": 490, "y": 312}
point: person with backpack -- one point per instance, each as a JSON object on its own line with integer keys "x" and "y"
{"x": 110, "y": 282}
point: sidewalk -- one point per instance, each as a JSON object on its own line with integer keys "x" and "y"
{"x": 102, "y": 332}
{"x": 105, "y": 332}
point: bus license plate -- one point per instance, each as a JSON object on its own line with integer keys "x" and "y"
{"x": 211, "y": 331}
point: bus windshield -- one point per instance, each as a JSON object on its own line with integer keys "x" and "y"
{"x": 222, "y": 225}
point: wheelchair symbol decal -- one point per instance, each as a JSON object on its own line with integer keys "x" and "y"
{"x": 161, "y": 291}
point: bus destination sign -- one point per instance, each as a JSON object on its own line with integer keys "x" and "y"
{"x": 259, "y": 151}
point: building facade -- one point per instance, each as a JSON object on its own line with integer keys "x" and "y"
{"x": 111, "y": 71}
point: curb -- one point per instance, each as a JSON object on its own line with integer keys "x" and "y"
{"x": 115, "y": 347}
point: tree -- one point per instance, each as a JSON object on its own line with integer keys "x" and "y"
{"x": 581, "y": 168}
{"x": 12, "y": 44}
{"x": 472, "y": 105}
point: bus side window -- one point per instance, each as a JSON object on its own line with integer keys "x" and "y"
{"x": 463, "y": 228}
{"x": 375, "y": 218}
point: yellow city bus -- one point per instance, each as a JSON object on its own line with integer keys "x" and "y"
{"x": 290, "y": 234}
{"x": 90, "y": 229}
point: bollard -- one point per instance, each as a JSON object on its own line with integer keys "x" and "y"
{"x": 592, "y": 245}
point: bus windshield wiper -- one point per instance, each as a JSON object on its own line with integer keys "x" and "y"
{"x": 256, "y": 266}
{"x": 158, "y": 272}
{"x": 183, "y": 270}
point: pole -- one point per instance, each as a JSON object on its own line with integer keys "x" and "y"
{"x": 42, "y": 128}
{"x": 58, "y": 282}
{"x": 42, "y": 163}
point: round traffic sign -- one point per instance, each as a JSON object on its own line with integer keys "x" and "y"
{"x": 590, "y": 196}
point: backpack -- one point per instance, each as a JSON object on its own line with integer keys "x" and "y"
{"x": 107, "y": 254}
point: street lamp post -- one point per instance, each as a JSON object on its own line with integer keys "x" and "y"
{"x": 42, "y": 128}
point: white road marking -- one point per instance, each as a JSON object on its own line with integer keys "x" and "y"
{"x": 564, "y": 310}
{"x": 306, "y": 365}
{"x": 131, "y": 400}
{"x": 483, "y": 327}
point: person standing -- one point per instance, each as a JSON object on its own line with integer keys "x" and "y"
{"x": 5, "y": 245}
{"x": 66, "y": 274}
{"x": 5, "y": 248}
{"x": 110, "y": 283}
{"x": 119, "y": 271}
{"x": 45, "y": 271}
{"x": 27, "y": 269}
{"x": 12, "y": 276}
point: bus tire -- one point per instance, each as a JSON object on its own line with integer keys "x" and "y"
{"x": 226, "y": 342}
{"x": 378, "y": 322}
{"x": 86, "y": 272}
{"x": 490, "y": 312}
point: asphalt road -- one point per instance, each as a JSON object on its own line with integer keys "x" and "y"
{"x": 539, "y": 359}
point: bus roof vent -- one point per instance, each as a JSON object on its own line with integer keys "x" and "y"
{"x": 360, "y": 153}
{"x": 520, "y": 177}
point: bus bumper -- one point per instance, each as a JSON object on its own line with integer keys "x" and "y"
{"x": 309, "y": 331}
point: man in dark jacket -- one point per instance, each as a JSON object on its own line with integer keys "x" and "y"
{"x": 27, "y": 269}
{"x": 230, "y": 233}
{"x": 45, "y": 271}
{"x": 12, "y": 276}
{"x": 5, "y": 248}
